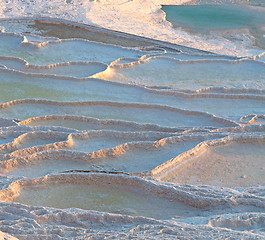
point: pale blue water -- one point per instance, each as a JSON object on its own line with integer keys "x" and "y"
{"x": 204, "y": 19}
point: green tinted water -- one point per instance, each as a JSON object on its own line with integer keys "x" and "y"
{"x": 205, "y": 18}
{"x": 104, "y": 198}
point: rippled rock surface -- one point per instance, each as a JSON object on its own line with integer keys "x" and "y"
{"x": 104, "y": 134}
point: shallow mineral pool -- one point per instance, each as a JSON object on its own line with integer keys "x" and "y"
{"x": 232, "y": 164}
{"x": 104, "y": 198}
{"x": 92, "y": 119}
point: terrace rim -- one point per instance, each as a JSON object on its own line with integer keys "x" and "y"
{"x": 90, "y": 27}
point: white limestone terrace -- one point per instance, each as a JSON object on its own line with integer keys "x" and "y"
{"x": 230, "y": 161}
{"x": 82, "y": 123}
{"x": 143, "y": 18}
{"x": 237, "y": 100}
{"x": 90, "y": 224}
{"x": 128, "y": 152}
{"x": 231, "y": 103}
{"x": 211, "y": 198}
{"x": 163, "y": 71}
{"x": 139, "y": 113}
{"x": 32, "y": 142}
{"x": 80, "y": 141}
{"x": 75, "y": 50}
{"x": 187, "y": 203}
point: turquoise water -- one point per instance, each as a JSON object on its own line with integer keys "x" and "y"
{"x": 205, "y": 18}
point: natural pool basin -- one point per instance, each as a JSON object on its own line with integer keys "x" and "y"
{"x": 67, "y": 50}
{"x": 122, "y": 195}
{"x": 205, "y": 18}
{"x": 15, "y": 85}
{"x": 235, "y": 163}
{"x": 139, "y": 113}
{"x": 129, "y": 157}
{"x": 226, "y": 20}
{"x": 194, "y": 75}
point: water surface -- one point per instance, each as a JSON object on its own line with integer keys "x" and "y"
{"x": 225, "y": 19}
